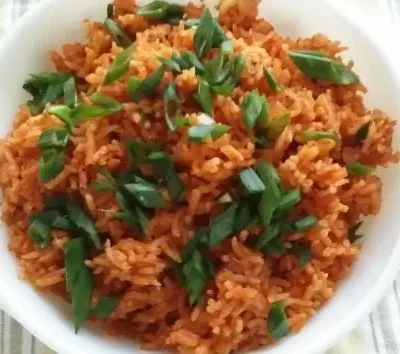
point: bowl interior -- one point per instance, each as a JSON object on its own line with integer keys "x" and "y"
{"x": 55, "y": 22}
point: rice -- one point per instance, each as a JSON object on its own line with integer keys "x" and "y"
{"x": 153, "y": 308}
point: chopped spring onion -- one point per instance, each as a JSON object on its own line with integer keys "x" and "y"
{"x": 40, "y": 233}
{"x": 172, "y": 106}
{"x": 225, "y": 198}
{"x": 70, "y": 94}
{"x": 318, "y": 66}
{"x": 272, "y": 83}
{"x": 57, "y": 138}
{"x": 198, "y": 133}
{"x": 83, "y": 222}
{"x": 255, "y": 110}
{"x": 162, "y": 10}
{"x": 63, "y": 112}
{"x": 119, "y": 66}
{"x": 309, "y": 135}
{"x": 359, "y": 169}
{"x": 79, "y": 280}
{"x": 204, "y": 97}
{"x": 171, "y": 64}
{"x": 105, "y": 306}
{"x": 200, "y": 237}
{"x": 362, "y": 133}
{"x": 270, "y": 232}
{"x": 51, "y": 163}
{"x": 289, "y": 199}
{"x": 251, "y": 183}
{"x": 277, "y": 126}
{"x": 306, "y": 223}
{"x": 118, "y": 34}
{"x": 146, "y": 194}
{"x": 277, "y": 322}
{"x": 353, "y": 235}
{"x": 245, "y": 216}
{"x": 139, "y": 88}
{"x": 223, "y": 225}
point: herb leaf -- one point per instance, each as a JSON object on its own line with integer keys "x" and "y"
{"x": 204, "y": 97}
{"x": 318, "y": 66}
{"x": 203, "y": 38}
{"x": 223, "y": 225}
{"x": 40, "y": 233}
{"x": 272, "y": 83}
{"x": 352, "y": 235}
{"x": 117, "y": 33}
{"x": 146, "y": 194}
{"x": 199, "y": 133}
{"x": 105, "y": 306}
{"x": 139, "y": 88}
{"x": 79, "y": 279}
{"x": 51, "y": 163}
{"x": 309, "y": 135}
{"x": 277, "y": 126}
{"x": 119, "y": 66}
{"x": 255, "y": 110}
{"x": 251, "y": 183}
{"x": 277, "y": 323}
{"x": 57, "y": 138}
{"x": 83, "y": 222}
{"x": 162, "y": 10}
{"x": 70, "y": 94}
{"x": 362, "y": 133}
{"x": 359, "y": 169}
{"x": 172, "y": 106}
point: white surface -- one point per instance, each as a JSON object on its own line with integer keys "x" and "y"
{"x": 57, "y": 21}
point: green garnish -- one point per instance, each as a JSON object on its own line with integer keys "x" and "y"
{"x": 204, "y": 97}
{"x": 139, "y": 88}
{"x": 171, "y": 64}
{"x": 79, "y": 280}
{"x": 272, "y": 83}
{"x": 277, "y": 126}
{"x": 362, "y": 133}
{"x": 186, "y": 60}
{"x": 117, "y": 33}
{"x": 309, "y": 135}
{"x": 274, "y": 247}
{"x": 306, "y": 223}
{"x": 40, "y": 233}
{"x": 209, "y": 34}
{"x": 225, "y": 198}
{"x": 146, "y": 194}
{"x": 255, "y": 110}
{"x": 165, "y": 169}
{"x": 200, "y": 237}
{"x": 353, "y": 235}
{"x": 359, "y": 169}
{"x": 172, "y": 106}
{"x": 57, "y": 138}
{"x": 192, "y": 22}
{"x": 250, "y": 182}
{"x": 223, "y": 225}
{"x": 303, "y": 254}
{"x": 162, "y": 10}
{"x": 46, "y": 88}
{"x": 194, "y": 274}
{"x": 245, "y": 216}
{"x": 83, "y": 222}
{"x": 110, "y": 10}
{"x": 289, "y": 199}
{"x": 105, "y": 306}
{"x": 267, "y": 172}
{"x": 51, "y": 163}
{"x": 277, "y": 322}
{"x": 70, "y": 94}
{"x": 317, "y": 65}
{"x": 62, "y": 112}
{"x": 119, "y": 66}
{"x": 198, "y": 133}
{"x": 270, "y": 232}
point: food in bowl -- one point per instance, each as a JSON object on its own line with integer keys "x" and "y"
{"x": 190, "y": 181}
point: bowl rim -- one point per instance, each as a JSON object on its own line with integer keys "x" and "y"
{"x": 377, "y": 290}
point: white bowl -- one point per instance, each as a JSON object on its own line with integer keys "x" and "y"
{"x": 25, "y": 50}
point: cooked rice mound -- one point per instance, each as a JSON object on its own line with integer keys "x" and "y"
{"x": 154, "y": 308}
